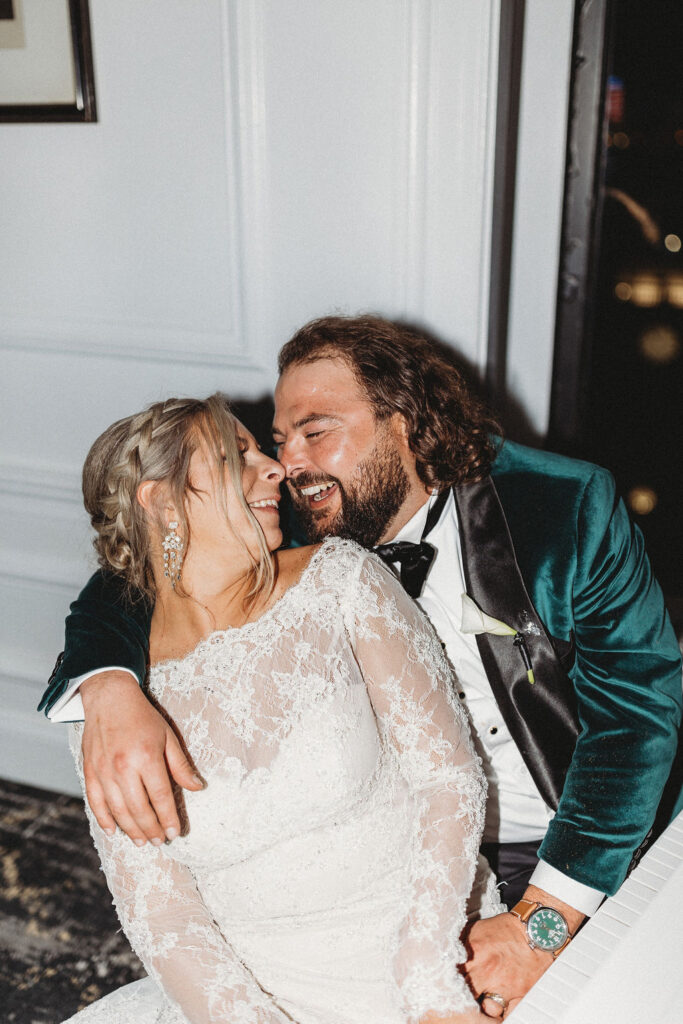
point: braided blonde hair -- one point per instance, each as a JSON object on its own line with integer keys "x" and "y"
{"x": 157, "y": 444}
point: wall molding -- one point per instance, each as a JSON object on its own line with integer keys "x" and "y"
{"x": 40, "y": 481}
{"x": 111, "y": 340}
{"x": 32, "y": 750}
{"x": 418, "y": 141}
{"x": 39, "y": 576}
{"x": 47, "y": 563}
{"x": 239, "y": 345}
{"x": 245, "y": 140}
{"x": 412, "y": 141}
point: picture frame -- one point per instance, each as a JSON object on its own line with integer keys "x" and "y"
{"x": 46, "y": 63}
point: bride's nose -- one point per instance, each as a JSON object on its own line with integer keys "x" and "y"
{"x": 270, "y": 469}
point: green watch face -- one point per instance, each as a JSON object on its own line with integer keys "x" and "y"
{"x": 547, "y": 929}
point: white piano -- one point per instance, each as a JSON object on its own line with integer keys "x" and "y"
{"x": 626, "y": 964}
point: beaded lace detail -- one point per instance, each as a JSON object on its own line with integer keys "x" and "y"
{"x": 324, "y": 871}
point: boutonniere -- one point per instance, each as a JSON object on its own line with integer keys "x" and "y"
{"x": 474, "y": 620}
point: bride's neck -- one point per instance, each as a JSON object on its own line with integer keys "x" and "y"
{"x": 207, "y": 598}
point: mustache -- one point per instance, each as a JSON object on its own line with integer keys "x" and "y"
{"x": 309, "y": 479}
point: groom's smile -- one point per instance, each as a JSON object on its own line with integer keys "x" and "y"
{"x": 318, "y": 502}
{"x": 345, "y": 468}
{"x": 317, "y": 494}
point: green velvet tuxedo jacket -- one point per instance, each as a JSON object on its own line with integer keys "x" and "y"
{"x": 549, "y": 549}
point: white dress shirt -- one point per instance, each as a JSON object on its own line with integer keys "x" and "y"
{"x": 69, "y": 707}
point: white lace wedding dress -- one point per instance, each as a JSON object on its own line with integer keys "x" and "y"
{"x": 326, "y": 867}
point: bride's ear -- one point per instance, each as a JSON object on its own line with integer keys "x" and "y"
{"x": 147, "y": 495}
{"x": 150, "y": 496}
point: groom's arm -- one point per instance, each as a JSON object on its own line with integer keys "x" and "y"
{"x": 131, "y": 757}
{"x": 128, "y": 747}
{"x": 627, "y": 679}
{"x": 105, "y": 629}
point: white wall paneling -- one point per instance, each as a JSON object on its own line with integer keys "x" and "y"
{"x": 127, "y": 235}
{"x": 379, "y": 189}
{"x": 255, "y": 163}
{"x": 32, "y": 752}
{"x": 539, "y": 194}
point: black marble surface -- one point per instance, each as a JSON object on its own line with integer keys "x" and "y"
{"x": 60, "y": 943}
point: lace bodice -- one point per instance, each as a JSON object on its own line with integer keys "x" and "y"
{"x": 341, "y": 818}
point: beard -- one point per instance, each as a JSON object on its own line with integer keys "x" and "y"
{"x": 369, "y": 500}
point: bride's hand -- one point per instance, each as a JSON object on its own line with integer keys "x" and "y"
{"x": 128, "y": 752}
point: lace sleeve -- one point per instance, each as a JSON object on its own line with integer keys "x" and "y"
{"x": 411, "y": 689}
{"x": 170, "y": 928}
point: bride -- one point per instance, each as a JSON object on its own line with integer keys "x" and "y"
{"x": 323, "y": 872}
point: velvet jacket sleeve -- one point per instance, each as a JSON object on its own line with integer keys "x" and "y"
{"x": 103, "y": 628}
{"x": 627, "y": 678}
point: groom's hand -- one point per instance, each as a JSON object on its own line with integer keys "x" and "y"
{"x": 473, "y": 1016}
{"x": 500, "y": 957}
{"x": 129, "y": 752}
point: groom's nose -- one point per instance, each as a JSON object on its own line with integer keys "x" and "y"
{"x": 292, "y": 458}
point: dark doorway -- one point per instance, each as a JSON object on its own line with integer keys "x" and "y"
{"x": 618, "y": 375}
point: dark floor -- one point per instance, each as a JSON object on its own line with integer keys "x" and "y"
{"x": 60, "y": 944}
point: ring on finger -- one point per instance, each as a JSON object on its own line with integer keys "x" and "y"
{"x": 495, "y": 997}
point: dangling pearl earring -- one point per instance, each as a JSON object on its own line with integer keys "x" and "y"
{"x": 173, "y": 554}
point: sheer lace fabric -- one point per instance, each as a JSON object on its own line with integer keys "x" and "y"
{"x": 325, "y": 870}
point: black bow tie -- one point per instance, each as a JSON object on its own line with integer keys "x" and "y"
{"x": 414, "y": 559}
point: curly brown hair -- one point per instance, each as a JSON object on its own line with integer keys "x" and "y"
{"x": 451, "y": 433}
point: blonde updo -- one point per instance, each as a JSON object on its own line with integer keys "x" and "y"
{"x": 157, "y": 444}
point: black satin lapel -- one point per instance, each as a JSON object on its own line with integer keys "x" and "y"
{"x": 542, "y": 716}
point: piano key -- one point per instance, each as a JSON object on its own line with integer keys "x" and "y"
{"x": 612, "y": 928}
{"x": 578, "y": 959}
{"x": 646, "y": 876}
{"x": 597, "y": 951}
{"x": 545, "y": 1000}
{"x": 527, "y": 1013}
{"x": 629, "y": 899}
{"x": 643, "y": 891}
{"x": 676, "y": 826}
{"x": 562, "y": 992}
{"x": 671, "y": 845}
{"x": 626, "y": 915}
{"x": 658, "y": 856}
{"x": 660, "y": 871}
{"x": 566, "y": 970}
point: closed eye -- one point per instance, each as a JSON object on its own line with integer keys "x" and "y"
{"x": 242, "y": 447}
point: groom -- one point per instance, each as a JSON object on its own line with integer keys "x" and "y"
{"x": 575, "y": 713}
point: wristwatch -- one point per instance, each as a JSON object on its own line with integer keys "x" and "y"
{"x": 546, "y": 928}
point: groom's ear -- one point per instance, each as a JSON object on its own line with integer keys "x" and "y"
{"x": 401, "y": 430}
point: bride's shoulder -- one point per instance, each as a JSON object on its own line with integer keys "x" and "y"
{"x": 292, "y": 561}
{"x": 329, "y": 549}
{"x": 335, "y": 555}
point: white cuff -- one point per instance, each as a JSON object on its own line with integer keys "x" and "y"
{"x": 69, "y": 707}
{"x": 575, "y": 894}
